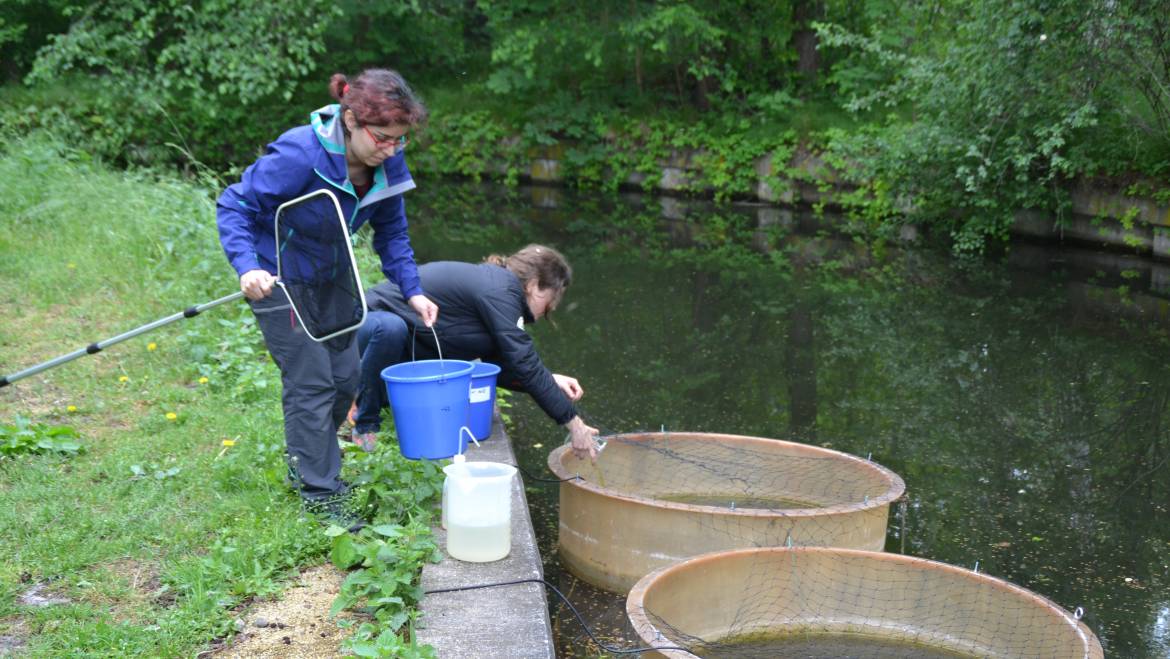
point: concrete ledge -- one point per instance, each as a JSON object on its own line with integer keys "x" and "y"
{"x": 507, "y": 621}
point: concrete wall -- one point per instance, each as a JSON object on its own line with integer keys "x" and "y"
{"x": 1095, "y": 219}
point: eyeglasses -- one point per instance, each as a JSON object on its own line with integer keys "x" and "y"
{"x": 399, "y": 142}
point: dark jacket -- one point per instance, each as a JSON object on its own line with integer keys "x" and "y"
{"x": 302, "y": 160}
{"x": 482, "y": 311}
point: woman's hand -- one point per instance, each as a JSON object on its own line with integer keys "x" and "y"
{"x": 583, "y": 439}
{"x": 427, "y": 311}
{"x": 570, "y": 386}
{"x": 257, "y": 284}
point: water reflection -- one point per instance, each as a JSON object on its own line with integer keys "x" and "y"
{"x": 1023, "y": 398}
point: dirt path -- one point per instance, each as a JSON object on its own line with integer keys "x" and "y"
{"x": 296, "y": 626}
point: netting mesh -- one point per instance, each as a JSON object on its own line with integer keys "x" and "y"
{"x": 656, "y": 498}
{"x": 828, "y": 602}
{"x": 316, "y": 266}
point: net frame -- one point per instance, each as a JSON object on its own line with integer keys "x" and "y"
{"x": 802, "y": 593}
{"x": 350, "y": 259}
{"x": 823, "y": 497}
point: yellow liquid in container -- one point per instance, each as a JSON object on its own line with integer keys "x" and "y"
{"x": 479, "y": 544}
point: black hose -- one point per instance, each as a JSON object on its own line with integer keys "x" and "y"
{"x": 530, "y": 477}
{"x": 577, "y": 614}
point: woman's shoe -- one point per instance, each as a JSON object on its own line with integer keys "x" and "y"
{"x": 346, "y": 429}
{"x": 366, "y": 441}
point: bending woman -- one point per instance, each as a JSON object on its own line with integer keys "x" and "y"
{"x": 355, "y": 149}
{"x": 485, "y": 308}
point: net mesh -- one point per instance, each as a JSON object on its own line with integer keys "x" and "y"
{"x": 316, "y": 266}
{"x": 682, "y": 494}
{"x": 828, "y": 602}
{"x": 654, "y": 500}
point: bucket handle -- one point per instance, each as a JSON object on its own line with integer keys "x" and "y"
{"x": 442, "y": 372}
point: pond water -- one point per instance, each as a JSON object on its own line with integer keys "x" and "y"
{"x": 1024, "y": 397}
{"x": 826, "y": 646}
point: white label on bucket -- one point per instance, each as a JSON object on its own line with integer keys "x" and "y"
{"x": 481, "y": 394}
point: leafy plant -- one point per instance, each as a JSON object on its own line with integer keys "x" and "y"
{"x": 230, "y": 352}
{"x": 25, "y": 437}
{"x": 388, "y": 555}
{"x": 154, "y": 471}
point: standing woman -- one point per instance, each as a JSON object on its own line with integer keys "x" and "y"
{"x": 354, "y": 148}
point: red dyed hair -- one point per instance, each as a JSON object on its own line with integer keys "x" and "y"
{"x": 378, "y": 97}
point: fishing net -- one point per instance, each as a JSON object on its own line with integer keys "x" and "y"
{"x": 655, "y": 498}
{"x": 316, "y": 266}
{"x": 821, "y": 603}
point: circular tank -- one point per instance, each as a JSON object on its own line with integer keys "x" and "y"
{"x": 653, "y": 499}
{"x": 767, "y": 602}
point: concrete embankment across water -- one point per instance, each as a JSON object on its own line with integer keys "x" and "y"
{"x": 1097, "y": 216}
{"x": 485, "y": 623}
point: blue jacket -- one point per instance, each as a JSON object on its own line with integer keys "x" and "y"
{"x": 302, "y": 160}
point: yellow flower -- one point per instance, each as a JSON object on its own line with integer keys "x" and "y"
{"x": 229, "y": 442}
{"x": 71, "y": 408}
{"x": 71, "y": 266}
{"x": 171, "y": 416}
{"x": 123, "y": 379}
{"x": 152, "y": 346}
{"x": 203, "y": 380}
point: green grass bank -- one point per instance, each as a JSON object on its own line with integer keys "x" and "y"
{"x": 171, "y": 516}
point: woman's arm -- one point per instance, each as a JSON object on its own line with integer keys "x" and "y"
{"x": 518, "y": 357}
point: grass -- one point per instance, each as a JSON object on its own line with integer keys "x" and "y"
{"x": 158, "y": 532}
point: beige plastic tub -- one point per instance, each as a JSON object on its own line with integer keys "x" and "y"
{"x": 653, "y": 499}
{"x": 712, "y": 603}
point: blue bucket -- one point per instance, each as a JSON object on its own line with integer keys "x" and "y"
{"x": 483, "y": 398}
{"x": 430, "y": 402}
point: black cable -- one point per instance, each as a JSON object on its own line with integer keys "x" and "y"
{"x": 592, "y": 636}
{"x": 545, "y": 480}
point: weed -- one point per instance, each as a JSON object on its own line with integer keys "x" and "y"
{"x": 24, "y": 437}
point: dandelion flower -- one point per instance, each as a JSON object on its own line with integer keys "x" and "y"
{"x": 229, "y": 442}
{"x": 71, "y": 408}
{"x": 71, "y": 266}
{"x": 123, "y": 379}
{"x": 203, "y": 380}
{"x": 171, "y": 416}
{"x": 152, "y": 346}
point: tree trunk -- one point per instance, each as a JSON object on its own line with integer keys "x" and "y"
{"x": 702, "y": 89}
{"x": 804, "y": 38}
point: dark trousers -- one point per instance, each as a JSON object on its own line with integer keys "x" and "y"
{"x": 382, "y": 342}
{"x": 319, "y": 383}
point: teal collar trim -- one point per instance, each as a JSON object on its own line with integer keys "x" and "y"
{"x": 327, "y": 127}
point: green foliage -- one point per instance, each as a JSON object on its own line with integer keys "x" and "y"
{"x": 25, "y": 26}
{"x": 230, "y": 353}
{"x": 389, "y": 644}
{"x": 963, "y": 113}
{"x": 689, "y": 54}
{"x": 24, "y": 437}
{"x": 390, "y": 552}
{"x": 422, "y": 39}
{"x": 183, "y": 73}
{"x": 468, "y": 144}
{"x": 999, "y": 122}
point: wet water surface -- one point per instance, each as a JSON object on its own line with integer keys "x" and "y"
{"x": 1024, "y": 398}
{"x": 826, "y": 646}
